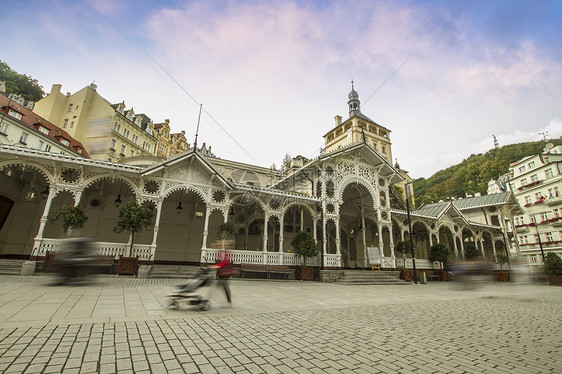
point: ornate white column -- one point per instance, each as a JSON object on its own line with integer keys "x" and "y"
{"x": 338, "y": 240}
{"x": 206, "y": 226}
{"x": 265, "y": 225}
{"x": 39, "y": 237}
{"x": 281, "y": 222}
{"x": 156, "y": 228}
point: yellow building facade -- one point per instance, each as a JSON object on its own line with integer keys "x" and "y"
{"x": 109, "y": 132}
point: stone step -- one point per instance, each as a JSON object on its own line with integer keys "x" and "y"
{"x": 10, "y": 267}
{"x": 366, "y": 277}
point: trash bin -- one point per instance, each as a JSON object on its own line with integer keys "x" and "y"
{"x": 423, "y": 278}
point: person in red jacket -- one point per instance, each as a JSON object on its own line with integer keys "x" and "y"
{"x": 224, "y": 272}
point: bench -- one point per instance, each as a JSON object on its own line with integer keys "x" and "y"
{"x": 104, "y": 263}
{"x": 253, "y": 269}
{"x": 278, "y": 269}
{"x": 435, "y": 275}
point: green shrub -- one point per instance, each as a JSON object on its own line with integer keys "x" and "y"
{"x": 553, "y": 264}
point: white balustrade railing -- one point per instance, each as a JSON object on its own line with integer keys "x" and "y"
{"x": 211, "y": 256}
{"x": 144, "y": 252}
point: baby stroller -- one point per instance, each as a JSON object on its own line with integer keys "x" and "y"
{"x": 186, "y": 292}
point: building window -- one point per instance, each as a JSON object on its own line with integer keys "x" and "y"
{"x": 23, "y": 138}
{"x": 521, "y": 169}
{"x": 527, "y": 199}
{"x": 64, "y": 141}
{"x": 523, "y": 240}
{"x": 116, "y": 127}
{"x": 72, "y": 124}
{"x": 534, "y": 178}
{"x": 531, "y": 164}
{"x": 132, "y": 153}
{"x": 550, "y": 193}
{"x": 123, "y": 149}
{"x": 538, "y": 196}
{"x": 47, "y": 148}
{"x": 549, "y": 237}
{"x": 523, "y": 182}
{"x": 556, "y": 192}
{"x": 113, "y": 143}
{"x": 79, "y": 149}
{"x": 44, "y": 130}
{"x": 556, "y": 212}
{"x": 40, "y": 145}
{"x": 536, "y": 238}
{"x": 15, "y": 114}
{"x": 65, "y": 123}
{"x": 69, "y": 109}
{"x": 4, "y": 128}
{"x": 548, "y": 173}
{"x": 383, "y": 149}
{"x": 532, "y": 218}
{"x": 544, "y": 216}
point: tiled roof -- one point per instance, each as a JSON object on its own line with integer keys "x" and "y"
{"x": 32, "y": 121}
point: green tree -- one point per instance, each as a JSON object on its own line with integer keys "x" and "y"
{"x": 553, "y": 264}
{"x": 71, "y": 217}
{"x": 471, "y": 252}
{"x": 226, "y": 231}
{"x": 403, "y": 247}
{"x": 397, "y": 200}
{"x": 440, "y": 253}
{"x": 304, "y": 246}
{"x": 20, "y": 84}
{"x": 133, "y": 218}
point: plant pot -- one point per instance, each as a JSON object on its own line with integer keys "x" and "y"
{"x": 304, "y": 273}
{"x": 28, "y": 268}
{"x": 406, "y": 275}
{"x": 554, "y": 280}
{"x": 502, "y": 276}
{"x": 127, "y": 265}
{"x": 144, "y": 270}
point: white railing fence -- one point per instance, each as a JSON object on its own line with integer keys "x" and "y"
{"x": 144, "y": 252}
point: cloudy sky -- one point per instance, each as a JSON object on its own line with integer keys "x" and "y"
{"x": 443, "y": 76}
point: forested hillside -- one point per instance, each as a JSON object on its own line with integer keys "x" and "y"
{"x": 20, "y": 84}
{"x": 473, "y": 174}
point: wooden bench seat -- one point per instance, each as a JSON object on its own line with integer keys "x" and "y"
{"x": 105, "y": 263}
{"x": 278, "y": 269}
{"x": 253, "y": 269}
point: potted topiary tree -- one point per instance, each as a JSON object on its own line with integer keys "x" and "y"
{"x": 403, "y": 247}
{"x": 304, "y": 247}
{"x": 71, "y": 217}
{"x": 471, "y": 252}
{"x": 226, "y": 232}
{"x": 132, "y": 218}
{"x": 502, "y": 259}
{"x": 553, "y": 269}
{"x": 440, "y": 253}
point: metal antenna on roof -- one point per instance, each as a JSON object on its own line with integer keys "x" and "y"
{"x": 197, "y": 131}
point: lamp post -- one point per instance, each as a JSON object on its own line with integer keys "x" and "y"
{"x": 410, "y": 231}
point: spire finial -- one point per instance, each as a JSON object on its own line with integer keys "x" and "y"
{"x": 352, "y": 84}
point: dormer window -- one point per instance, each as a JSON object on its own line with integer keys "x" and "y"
{"x": 64, "y": 141}
{"x": 15, "y": 114}
{"x": 44, "y": 130}
{"x": 69, "y": 109}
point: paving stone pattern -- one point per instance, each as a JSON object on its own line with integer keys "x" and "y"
{"x": 462, "y": 333}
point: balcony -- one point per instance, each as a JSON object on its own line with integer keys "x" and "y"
{"x": 554, "y": 200}
{"x": 522, "y": 228}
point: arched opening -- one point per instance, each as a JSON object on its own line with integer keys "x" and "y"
{"x": 296, "y": 218}
{"x": 446, "y": 237}
{"x": 420, "y": 235}
{"x": 488, "y": 249}
{"x": 248, "y": 216}
{"x": 23, "y": 192}
{"x": 181, "y": 226}
{"x": 358, "y": 224}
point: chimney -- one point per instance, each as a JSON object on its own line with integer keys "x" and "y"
{"x": 338, "y": 120}
{"x": 56, "y": 88}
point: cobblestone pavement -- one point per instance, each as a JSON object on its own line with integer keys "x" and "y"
{"x": 122, "y": 325}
